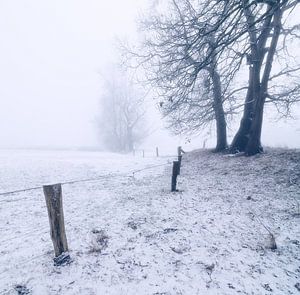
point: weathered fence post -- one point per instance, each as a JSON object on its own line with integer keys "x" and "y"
{"x": 175, "y": 173}
{"x": 157, "y": 154}
{"x": 53, "y": 196}
{"x": 179, "y": 152}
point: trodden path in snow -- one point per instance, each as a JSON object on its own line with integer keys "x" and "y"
{"x": 133, "y": 236}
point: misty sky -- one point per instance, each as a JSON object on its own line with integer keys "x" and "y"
{"x": 50, "y": 56}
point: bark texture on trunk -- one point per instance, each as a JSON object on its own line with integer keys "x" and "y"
{"x": 240, "y": 139}
{"x": 254, "y": 145}
{"x": 219, "y": 112}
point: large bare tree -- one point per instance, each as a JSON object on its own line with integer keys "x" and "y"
{"x": 264, "y": 27}
{"x": 183, "y": 63}
{"x": 193, "y": 50}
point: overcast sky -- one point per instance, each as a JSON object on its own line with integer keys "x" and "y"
{"x": 50, "y": 56}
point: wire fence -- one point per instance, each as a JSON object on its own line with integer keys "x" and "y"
{"x": 74, "y": 181}
{"x": 45, "y": 230}
{"x": 99, "y": 177}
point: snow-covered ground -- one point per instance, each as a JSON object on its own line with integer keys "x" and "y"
{"x": 131, "y": 235}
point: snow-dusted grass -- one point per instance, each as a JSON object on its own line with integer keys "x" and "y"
{"x": 132, "y": 236}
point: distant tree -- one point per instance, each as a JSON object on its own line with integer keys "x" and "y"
{"x": 122, "y": 116}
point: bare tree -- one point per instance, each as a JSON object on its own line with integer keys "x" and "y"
{"x": 263, "y": 24}
{"x": 182, "y": 60}
{"x": 204, "y": 37}
{"x": 122, "y": 117}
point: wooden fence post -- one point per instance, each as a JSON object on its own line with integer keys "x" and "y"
{"x": 53, "y": 196}
{"x": 179, "y": 152}
{"x": 157, "y": 154}
{"x": 175, "y": 173}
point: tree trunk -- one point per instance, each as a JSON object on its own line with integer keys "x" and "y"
{"x": 254, "y": 144}
{"x": 240, "y": 140}
{"x": 219, "y": 112}
{"x": 250, "y": 118}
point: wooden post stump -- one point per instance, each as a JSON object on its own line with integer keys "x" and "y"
{"x": 179, "y": 153}
{"x": 179, "y": 149}
{"x": 53, "y": 196}
{"x": 179, "y": 166}
{"x": 175, "y": 171}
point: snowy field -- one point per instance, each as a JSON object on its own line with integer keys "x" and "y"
{"x": 131, "y": 235}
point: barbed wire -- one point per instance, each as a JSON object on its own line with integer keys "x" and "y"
{"x": 150, "y": 167}
{"x": 42, "y": 231}
{"x": 24, "y": 262}
{"x": 20, "y": 190}
{"x": 99, "y": 177}
{"x": 14, "y": 200}
{"x": 169, "y": 156}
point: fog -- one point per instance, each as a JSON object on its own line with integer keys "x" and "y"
{"x": 50, "y": 57}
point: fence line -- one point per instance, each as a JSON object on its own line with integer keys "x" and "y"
{"x": 53, "y": 196}
{"x": 14, "y": 200}
{"x": 27, "y": 234}
{"x": 24, "y": 262}
{"x": 147, "y": 168}
{"x": 21, "y": 190}
{"x": 106, "y": 176}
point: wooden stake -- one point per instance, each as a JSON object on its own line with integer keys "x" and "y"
{"x": 179, "y": 166}
{"x": 53, "y": 196}
{"x": 179, "y": 152}
{"x": 157, "y": 155}
{"x": 179, "y": 149}
{"x": 175, "y": 171}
